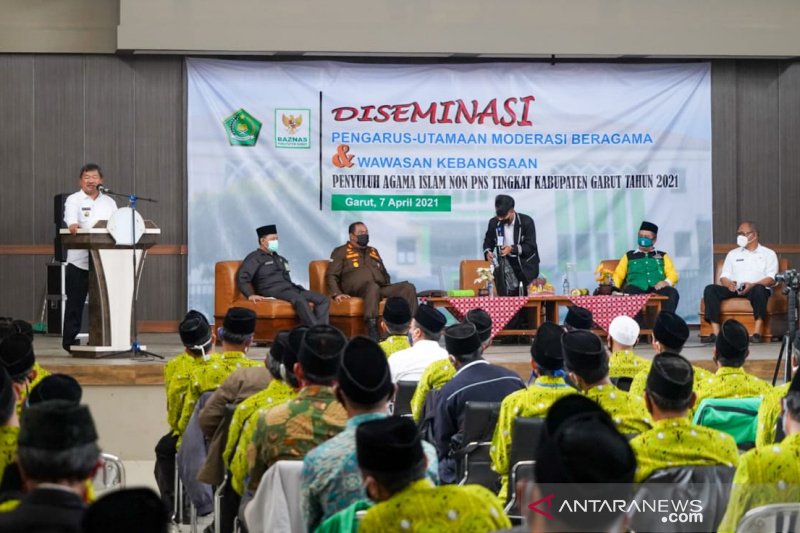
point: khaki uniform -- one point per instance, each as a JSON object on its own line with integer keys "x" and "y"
{"x": 361, "y": 272}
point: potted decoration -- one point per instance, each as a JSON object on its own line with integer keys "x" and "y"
{"x": 486, "y": 278}
{"x": 605, "y": 278}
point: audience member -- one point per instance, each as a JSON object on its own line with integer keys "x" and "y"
{"x": 623, "y": 334}
{"x": 281, "y": 389}
{"x": 292, "y": 429}
{"x": 475, "y": 380}
{"x": 673, "y": 439}
{"x": 547, "y": 361}
{"x": 731, "y": 380}
{"x": 331, "y": 479}
{"x": 136, "y": 510}
{"x": 236, "y": 333}
{"x": 396, "y": 322}
{"x": 426, "y": 329}
{"x": 24, "y": 327}
{"x": 771, "y": 408}
{"x": 583, "y": 457}
{"x": 9, "y": 422}
{"x": 56, "y": 387}
{"x": 393, "y": 468}
{"x": 586, "y": 360}
{"x": 768, "y": 474}
{"x": 57, "y": 454}
{"x": 440, "y": 372}
{"x": 17, "y": 357}
{"x": 578, "y": 318}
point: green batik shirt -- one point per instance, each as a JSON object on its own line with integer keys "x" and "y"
{"x": 421, "y": 506}
{"x": 730, "y": 382}
{"x": 208, "y": 376}
{"x": 288, "y": 431}
{"x": 640, "y": 381}
{"x": 241, "y": 429}
{"x": 766, "y": 474}
{"x": 8, "y": 447}
{"x": 533, "y": 402}
{"x": 625, "y": 363}
{"x": 629, "y": 414}
{"x": 176, "y": 381}
{"x": 433, "y": 378}
{"x": 394, "y": 343}
{"x": 678, "y": 442}
{"x": 768, "y": 414}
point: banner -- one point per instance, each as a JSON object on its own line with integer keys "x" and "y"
{"x": 418, "y": 153}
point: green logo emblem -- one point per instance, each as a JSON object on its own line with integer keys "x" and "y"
{"x": 242, "y": 128}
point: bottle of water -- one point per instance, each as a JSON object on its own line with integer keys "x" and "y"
{"x": 521, "y": 290}
{"x": 565, "y": 286}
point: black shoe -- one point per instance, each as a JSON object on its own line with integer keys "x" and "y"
{"x": 708, "y": 340}
{"x": 372, "y": 329}
{"x": 755, "y": 338}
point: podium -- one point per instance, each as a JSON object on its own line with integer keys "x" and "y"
{"x": 113, "y": 284}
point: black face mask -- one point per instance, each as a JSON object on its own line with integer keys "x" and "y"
{"x": 362, "y": 240}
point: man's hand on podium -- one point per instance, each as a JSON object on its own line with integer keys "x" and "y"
{"x": 73, "y": 229}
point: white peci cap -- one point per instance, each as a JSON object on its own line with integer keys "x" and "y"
{"x": 624, "y": 330}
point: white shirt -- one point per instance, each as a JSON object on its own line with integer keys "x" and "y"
{"x": 508, "y": 232}
{"x": 82, "y": 210}
{"x": 743, "y": 266}
{"x": 409, "y": 364}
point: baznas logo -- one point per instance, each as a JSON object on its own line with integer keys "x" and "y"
{"x": 242, "y": 128}
{"x": 292, "y": 128}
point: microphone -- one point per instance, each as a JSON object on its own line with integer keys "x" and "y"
{"x": 103, "y": 189}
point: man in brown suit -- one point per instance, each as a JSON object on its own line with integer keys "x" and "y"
{"x": 358, "y": 270}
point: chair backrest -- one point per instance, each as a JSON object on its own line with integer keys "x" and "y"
{"x": 525, "y": 437}
{"x": 735, "y": 416}
{"x": 111, "y": 476}
{"x": 622, "y": 382}
{"x": 480, "y": 418}
{"x": 773, "y": 518}
{"x": 402, "y": 400}
{"x": 316, "y": 276}
{"x": 610, "y": 264}
{"x": 708, "y": 484}
{"x": 467, "y": 274}
{"x": 225, "y": 288}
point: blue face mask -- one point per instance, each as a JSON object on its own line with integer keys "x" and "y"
{"x": 645, "y": 242}
{"x": 272, "y": 246}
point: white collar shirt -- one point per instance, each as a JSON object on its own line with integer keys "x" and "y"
{"x": 409, "y": 364}
{"x": 81, "y": 209}
{"x": 745, "y": 266}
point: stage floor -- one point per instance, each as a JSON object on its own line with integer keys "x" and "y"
{"x": 126, "y": 371}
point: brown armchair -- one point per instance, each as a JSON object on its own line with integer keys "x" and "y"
{"x": 467, "y": 273}
{"x": 776, "y": 321}
{"x": 271, "y": 315}
{"x": 347, "y": 315}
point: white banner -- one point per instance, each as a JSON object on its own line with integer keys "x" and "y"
{"x": 418, "y": 153}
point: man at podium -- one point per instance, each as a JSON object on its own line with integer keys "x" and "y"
{"x": 82, "y": 210}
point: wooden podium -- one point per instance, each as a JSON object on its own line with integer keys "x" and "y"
{"x": 113, "y": 285}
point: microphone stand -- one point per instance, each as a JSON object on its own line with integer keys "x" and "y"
{"x": 135, "y": 351}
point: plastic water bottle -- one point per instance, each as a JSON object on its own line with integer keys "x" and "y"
{"x": 565, "y": 286}
{"x": 521, "y": 290}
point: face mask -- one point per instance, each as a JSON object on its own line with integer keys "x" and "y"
{"x": 741, "y": 241}
{"x": 272, "y": 246}
{"x": 645, "y": 242}
{"x": 362, "y": 240}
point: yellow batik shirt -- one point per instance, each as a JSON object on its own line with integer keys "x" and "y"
{"x": 176, "y": 381}
{"x": 627, "y": 364}
{"x": 768, "y": 414}
{"x": 243, "y": 424}
{"x": 640, "y": 381}
{"x": 435, "y": 376}
{"x": 629, "y": 414}
{"x": 8, "y": 447}
{"x": 424, "y": 507}
{"x": 766, "y": 474}
{"x": 41, "y": 373}
{"x": 730, "y": 382}
{"x": 533, "y": 402}
{"x": 208, "y": 376}
{"x": 394, "y": 343}
{"x": 678, "y": 442}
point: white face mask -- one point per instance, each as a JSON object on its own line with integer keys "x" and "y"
{"x": 741, "y": 241}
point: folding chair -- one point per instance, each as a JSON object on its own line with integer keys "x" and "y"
{"x": 525, "y": 439}
{"x": 622, "y": 382}
{"x": 773, "y": 518}
{"x": 402, "y": 401}
{"x": 111, "y": 476}
{"x": 219, "y": 493}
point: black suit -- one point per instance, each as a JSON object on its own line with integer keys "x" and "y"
{"x": 45, "y": 511}
{"x": 524, "y": 258}
{"x": 267, "y": 274}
